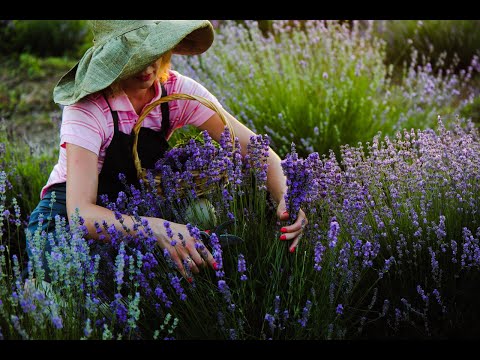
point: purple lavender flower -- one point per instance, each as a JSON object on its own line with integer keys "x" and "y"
{"x": 166, "y": 225}
{"x": 194, "y": 232}
{"x": 386, "y": 305}
{"x": 256, "y": 159}
{"x": 119, "y": 309}
{"x": 175, "y": 282}
{"x": 333, "y": 232}
{"x": 436, "y": 272}
{"x": 27, "y": 305}
{"x": 87, "y": 330}
{"x": 270, "y": 319}
{"x": 386, "y": 266}
{"x": 318, "y": 255}
{"x": 242, "y": 267}
{"x": 453, "y": 245}
{"x": 421, "y": 292}
{"x": 305, "y": 314}
{"x": 440, "y": 230}
{"x": 225, "y": 290}
{"x": 120, "y": 265}
{"x": 339, "y": 309}
{"x": 57, "y": 322}
{"x": 162, "y": 296}
{"x": 297, "y": 182}
{"x": 436, "y": 293}
{"x": 277, "y": 305}
{"x": 216, "y": 250}
{"x": 344, "y": 258}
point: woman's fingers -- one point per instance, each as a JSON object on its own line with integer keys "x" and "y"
{"x": 192, "y": 264}
{"x": 294, "y": 243}
{"x": 295, "y": 236}
{"x": 210, "y": 260}
{"x": 283, "y": 215}
{"x": 282, "y": 212}
{"x": 194, "y": 257}
{"x": 294, "y": 231}
{"x": 290, "y": 235}
{"x": 298, "y": 225}
{"x": 185, "y": 265}
{"x": 178, "y": 262}
{"x": 206, "y": 257}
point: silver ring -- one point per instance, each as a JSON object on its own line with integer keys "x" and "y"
{"x": 188, "y": 259}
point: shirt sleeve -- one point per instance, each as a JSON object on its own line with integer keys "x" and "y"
{"x": 191, "y": 112}
{"x": 83, "y": 124}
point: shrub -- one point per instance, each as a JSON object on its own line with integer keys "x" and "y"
{"x": 391, "y": 249}
{"x": 321, "y": 84}
{"x": 26, "y": 172}
{"x": 406, "y": 208}
{"x": 431, "y": 38}
{"x": 45, "y": 37}
{"x": 472, "y": 111}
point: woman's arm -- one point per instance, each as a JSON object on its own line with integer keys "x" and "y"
{"x": 82, "y": 185}
{"x": 276, "y": 180}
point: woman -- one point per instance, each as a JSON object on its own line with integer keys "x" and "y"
{"x": 127, "y": 68}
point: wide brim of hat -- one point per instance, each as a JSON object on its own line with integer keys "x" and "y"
{"x": 127, "y": 54}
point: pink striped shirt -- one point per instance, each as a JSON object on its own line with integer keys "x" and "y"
{"x": 89, "y": 123}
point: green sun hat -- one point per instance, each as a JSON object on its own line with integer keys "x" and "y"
{"x": 122, "y": 48}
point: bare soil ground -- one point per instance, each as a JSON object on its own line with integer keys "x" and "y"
{"x": 27, "y": 108}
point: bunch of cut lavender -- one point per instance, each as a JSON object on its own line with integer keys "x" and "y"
{"x": 233, "y": 182}
{"x": 197, "y": 163}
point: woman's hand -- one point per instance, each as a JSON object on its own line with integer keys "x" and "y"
{"x": 186, "y": 250}
{"x": 294, "y": 231}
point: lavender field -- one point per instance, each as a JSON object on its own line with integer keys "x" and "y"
{"x": 384, "y": 161}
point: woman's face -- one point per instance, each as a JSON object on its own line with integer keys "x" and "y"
{"x": 144, "y": 79}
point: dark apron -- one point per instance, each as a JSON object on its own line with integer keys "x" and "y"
{"x": 151, "y": 146}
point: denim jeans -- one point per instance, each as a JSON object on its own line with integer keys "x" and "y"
{"x": 44, "y": 207}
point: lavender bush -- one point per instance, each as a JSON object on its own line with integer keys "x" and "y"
{"x": 407, "y": 210}
{"x": 458, "y": 40}
{"x": 323, "y": 84}
{"x": 391, "y": 249}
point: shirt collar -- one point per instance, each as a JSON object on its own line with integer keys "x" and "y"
{"x": 121, "y": 102}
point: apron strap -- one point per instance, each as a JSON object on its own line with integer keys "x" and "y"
{"x": 165, "y": 114}
{"x": 114, "y": 115}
